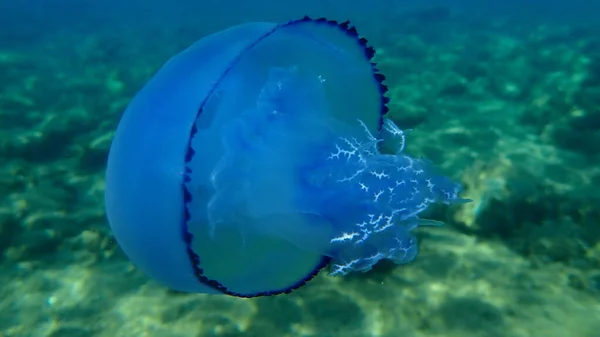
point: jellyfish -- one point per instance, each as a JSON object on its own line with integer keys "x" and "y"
{"x": 261, "y": 155}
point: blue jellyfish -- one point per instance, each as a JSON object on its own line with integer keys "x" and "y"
{"x": 261, "y": 155}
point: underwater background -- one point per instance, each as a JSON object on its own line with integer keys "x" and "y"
{"x": 503, "y": 97}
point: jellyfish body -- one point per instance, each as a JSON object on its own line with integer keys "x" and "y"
{"x": 253, "y": 159}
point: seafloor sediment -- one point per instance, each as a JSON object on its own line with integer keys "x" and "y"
{"x": 509, "y": 109}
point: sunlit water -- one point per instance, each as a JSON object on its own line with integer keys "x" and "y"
{"x": 505, "y": 99}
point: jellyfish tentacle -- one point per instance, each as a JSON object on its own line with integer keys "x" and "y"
{"x": 375, "y": 199}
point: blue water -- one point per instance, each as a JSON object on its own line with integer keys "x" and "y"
{"x": 353, "y": 195}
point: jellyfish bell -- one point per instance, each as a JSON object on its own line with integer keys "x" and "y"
{"x": 250, "y": 161}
